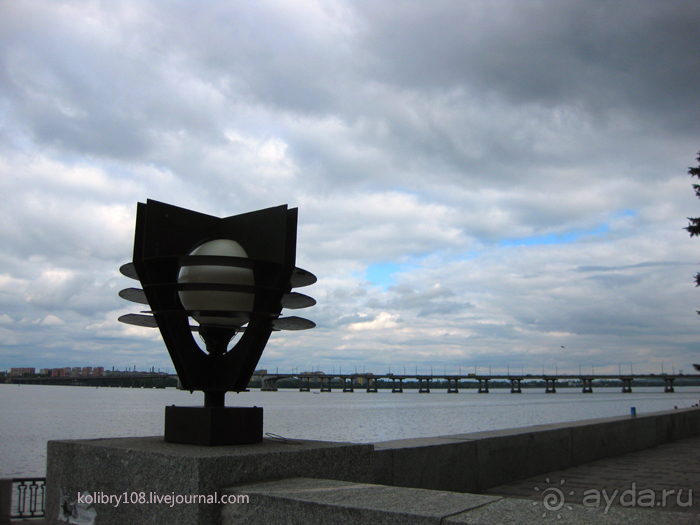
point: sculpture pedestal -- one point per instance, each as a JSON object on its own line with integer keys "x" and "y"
{"x": 214, "y": 426}
{"x": 147, "y": 480}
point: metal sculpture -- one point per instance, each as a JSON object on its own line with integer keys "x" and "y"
{"x": 231, "y": 275}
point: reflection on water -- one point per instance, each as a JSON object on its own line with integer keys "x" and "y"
{"x": 34, "y": 414}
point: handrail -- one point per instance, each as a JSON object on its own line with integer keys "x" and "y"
{"x": 28, "y": 497}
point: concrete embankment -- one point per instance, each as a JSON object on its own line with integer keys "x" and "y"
{"x": 428, "y": 480}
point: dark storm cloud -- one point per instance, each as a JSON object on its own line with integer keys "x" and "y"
{"x": 604, "y": 55}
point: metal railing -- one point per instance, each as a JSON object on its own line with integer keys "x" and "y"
{"x": 28, "y": 496}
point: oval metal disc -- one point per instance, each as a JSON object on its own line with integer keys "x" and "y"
{"x": 302, "y": 278}
{"x": 128, "y": 270}
{"x": 292, "y": 323}
{"x": 148, "y": 321}
{"x": 296, "y": 300}
{"x": 135, "y": 295}
{"x": 139, "y": 320}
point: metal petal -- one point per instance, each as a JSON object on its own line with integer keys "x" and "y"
{"x": 135, "y": 295}
{"x": 128, "y": 270}
{"x": 292, "y": 323}
{"x": 302, "y": 278}
{"x": 296, "y": 300}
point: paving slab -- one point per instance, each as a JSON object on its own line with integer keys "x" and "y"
{"x": 664, "y": 478}
{"x": 518, "y": 512}
{"x": 305, "y": 501}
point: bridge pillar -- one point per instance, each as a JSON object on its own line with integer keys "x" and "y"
{"x": 348, "y": 384}
{"x": 485, "y": 388}
{"x": 587, "y": 385}
{"x": 668, "y": 384}
{"x": 626, "y": 385}
{"x": 515, "y": 386}
{"x": 371, "y": 385}
{"x": 304, "y": 384}
{"x": 426, "y": 389}
{"x": 325, "y": 388}
{"x": 269, "y": 384}
{"x": 550, "y": 389}
{"x": 451, "y": 390}
{"x": 393, "y": 385}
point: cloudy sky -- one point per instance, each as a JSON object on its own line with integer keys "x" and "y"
{"x": 479, "y": 183}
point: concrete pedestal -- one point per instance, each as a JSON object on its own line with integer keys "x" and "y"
{"x": 171, "y": 483}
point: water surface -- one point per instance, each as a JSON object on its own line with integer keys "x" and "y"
{"x": 31, "y": 415}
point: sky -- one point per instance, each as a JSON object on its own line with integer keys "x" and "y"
{"x": 483, "y": 185}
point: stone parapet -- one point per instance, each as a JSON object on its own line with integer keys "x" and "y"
{"x": 479, "y": 461}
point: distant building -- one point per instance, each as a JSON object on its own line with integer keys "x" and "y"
{"x": 18, "y": 372}
{"x": 76, "y": 371}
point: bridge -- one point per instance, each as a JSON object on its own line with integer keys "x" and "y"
{"x": 368, "y": 381}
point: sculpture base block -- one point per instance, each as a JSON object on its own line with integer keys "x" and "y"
{"x": 144, "y": 471}
{"x": 214, "y": 426}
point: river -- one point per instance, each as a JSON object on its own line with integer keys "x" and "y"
{"x": 31, "y": 415}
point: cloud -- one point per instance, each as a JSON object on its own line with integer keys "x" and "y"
{"x": 52, "y": 320}
{"x": 475, "y": 180}
{"x": 435, "y": 300}
{"x": 383, "y": 321}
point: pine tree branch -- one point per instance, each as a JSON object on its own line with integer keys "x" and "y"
{"x": 693, "y": 226}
